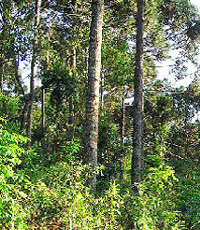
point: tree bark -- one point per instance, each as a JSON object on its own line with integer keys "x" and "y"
{"x": 23, "y": 116}
{"x": 93, "y": 86}
{"x": 121, "y": 176}
{"x": 2, "y": 54}
{"x": 43, "y": 89}
{"x": 73, "y": 66}
{"x": 43, "y": 109}
{"x": 137, "y": 156}
{"x": 16, "y": 60}
{"x": 102, "y": 92}
{"x": 71, "y": 105}
{"x": 1, "y": 73}
{"x": 33, "y": 68}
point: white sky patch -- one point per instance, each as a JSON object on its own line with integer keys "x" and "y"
{"x": 196, "y": 3}
{"x": 25, "y": 71}
{"x": 165, "y": 70}
{"x": 24, "y": 67}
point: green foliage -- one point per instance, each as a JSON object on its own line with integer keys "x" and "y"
{"x": 154, "y": 206}
{"x": 8, "y": 106}
{"x": 71, "y": 149}
{"x": 189, "y": 201}
{"x": 11, "y": 208}
{"x": 187, "y": 189}
{"x": 61, "y": 199}
{"x": 109, "y": 152}
{"x": 57, "y": 193}
{"x": 61, "y": 82}
{"x": 159, "y": 113}
{"x": 9, "y": 110}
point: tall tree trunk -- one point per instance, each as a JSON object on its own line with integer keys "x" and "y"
{"x": 23, "y": 116}
{"x": 93, "y": 85}
{"x": 33, "y": 67}
{"x": 43, "y": 109}
{"x": 121, "y": 176}
{"x": 137, "y": 156}
{"x": 2, "y": 51}
{"x": 102, "y": 91}
{"x": 86, "y": 61}
{"x": 71, "y": 99}
{"x": 73, "y": 66}
{"x": 71, "y": 105}
{"x": 16, "y": 60}
{"x": 43, "y": 89}
{"x": 1, "y": 73}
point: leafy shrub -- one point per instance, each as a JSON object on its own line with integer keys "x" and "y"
{"x": 154, "y": 206}
{"x": 189, "y": 195}
{"x": 9, "y": 108}
{"x": 12, "y": 212}
{"x": 61, "y": 199}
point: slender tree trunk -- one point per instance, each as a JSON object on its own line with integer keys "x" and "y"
{"x": 17, "y": 74}
{"x": 186, "y": 136}
{"x": 71, "y": 105}
{"x": 43, "y": 109}
{"x": 2, "y": 54}
{"x": 93, "y": 85}
{"x": 86, "y": 61}
{"x": 121, "y": 177}
{"x": 137, "y": 156}
{"x": 43, "y": 89}
{"x": 1, "y": 73}
{"x": 73, "y": 60}
{"x": 102, "y": 92}
{"x": 73, "y": 66}
{"x": 23, "y": 116}
{"x": 33, "y": 68}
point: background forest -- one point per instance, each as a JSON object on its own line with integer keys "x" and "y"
{"x": 51, "y": 174}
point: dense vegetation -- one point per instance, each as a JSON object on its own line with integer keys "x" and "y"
{"x": 46, "y": 175}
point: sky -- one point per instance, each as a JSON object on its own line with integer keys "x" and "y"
{"x": 164, "y": 71}
{"x": 196, "y": 3}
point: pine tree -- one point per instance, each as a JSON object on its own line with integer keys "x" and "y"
{"x": 93, "y": 85}
{"x": 137, "y": 156}
{"x": 33, "y": 67}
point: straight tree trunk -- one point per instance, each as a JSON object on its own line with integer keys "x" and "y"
{"x": 2, "y": 51}
{"x": 73, "y": 66}
{"x": 71, "y": 105}
{"x": 33, "y": 68}
{"x": 93, "y": 86}
{"x": 102, "y": 92}
{"x": 16, "y": 60}
{"x": 86, "y": 61}
{"x": 137, "y": 156}
{"x": 43, "y": 109}
{"x": 121, "y": 177}
{"x": 43, "y": 89}
{"x": 23, "y": 116}
{"x": 1, "y": 73}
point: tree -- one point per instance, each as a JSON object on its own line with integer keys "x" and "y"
{"x": 33, "y": 66}
{"x": 93, "y": 85}
{"x": 138, "y": 98}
